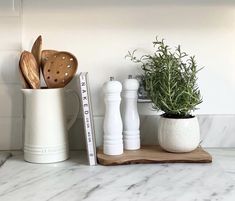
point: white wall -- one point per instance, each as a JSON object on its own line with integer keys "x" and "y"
{"x": 101, "y": 32}
{"x": 10, "y": 96}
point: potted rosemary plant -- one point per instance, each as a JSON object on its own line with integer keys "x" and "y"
{"x": 170, "y": 79}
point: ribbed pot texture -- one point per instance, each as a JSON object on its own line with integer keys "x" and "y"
{"x": 179, "y": 135}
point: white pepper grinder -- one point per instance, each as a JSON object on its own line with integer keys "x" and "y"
{"x": 131, "y": 120}
{"x": 113, "y": 141}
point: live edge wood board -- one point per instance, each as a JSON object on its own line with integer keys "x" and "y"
{"x": 154, "y": 154}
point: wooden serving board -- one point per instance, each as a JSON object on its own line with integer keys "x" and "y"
{"x": 154, "y": 154}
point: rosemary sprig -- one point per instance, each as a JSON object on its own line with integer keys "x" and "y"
{"x": 170, "y": 79}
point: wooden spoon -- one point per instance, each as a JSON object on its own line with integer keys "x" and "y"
{"x": 24, "y": 83}
{"x": 29, "y": 69}
{"x": 60, "y": 69}
{"x": 46, "y": 54}
{"x": 36, "y": 50}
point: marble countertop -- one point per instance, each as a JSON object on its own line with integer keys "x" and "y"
{"x": 73, "y": 180}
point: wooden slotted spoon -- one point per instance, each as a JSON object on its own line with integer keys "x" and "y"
{"x": 59, "y": 70}
{"x": 29, "y": 69}
{"x": 46, "y": 54}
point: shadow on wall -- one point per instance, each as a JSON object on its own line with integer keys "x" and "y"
{"x": 75, "y": 4}
{"x": 148, "y": 129}
{"x": 76, "y": 133}
{"x": 12, "y": 103}
{"x": 181, "y": 14}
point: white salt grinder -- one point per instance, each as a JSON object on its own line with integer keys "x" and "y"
{"x": 131, "y": 120}
{"x": 113, "y": 142}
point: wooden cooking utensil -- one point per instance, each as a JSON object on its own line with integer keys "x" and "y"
{"x": 29, "y": 69}
{"x": 46, "y": 54}
{"x": 24, "y": 83}
{"x": 60, "y": 69}
{"x": 36, "y": 50}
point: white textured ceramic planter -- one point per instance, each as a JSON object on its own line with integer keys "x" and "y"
{"x": 178, "y": 135}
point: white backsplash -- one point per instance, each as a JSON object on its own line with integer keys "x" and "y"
{"x": 100, "y": 34}
{"x": 216, "y": 131}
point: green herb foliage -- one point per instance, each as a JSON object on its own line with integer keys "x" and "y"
{"x": 170, "y": 80}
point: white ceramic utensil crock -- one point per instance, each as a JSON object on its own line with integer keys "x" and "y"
{"x": 178, "y": 135}
{"x": 46, "y": 130}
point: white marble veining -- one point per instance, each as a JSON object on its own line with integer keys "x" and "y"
{"x": 74, "y": 180}
{"x": 217, "y": 130}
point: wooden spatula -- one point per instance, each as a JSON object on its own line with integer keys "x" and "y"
{"x": 36, "y": 50}
{"x": 60, "y": 69}
{"x": 29, "y": 69}
{"x": 46, "y": 54}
